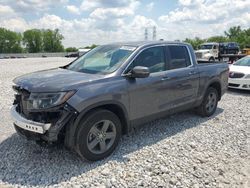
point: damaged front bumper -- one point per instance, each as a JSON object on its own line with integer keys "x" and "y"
{"x": 49, "y": 131}
{"x": 26, "y": 124}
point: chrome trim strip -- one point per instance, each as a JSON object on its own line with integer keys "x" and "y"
{"x": 26, "y": 124}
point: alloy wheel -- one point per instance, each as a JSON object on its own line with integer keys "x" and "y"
{"x": 211, "y": 102}
{"x": 101, "y": 136}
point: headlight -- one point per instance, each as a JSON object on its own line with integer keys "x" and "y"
{"x": 47, "y": 100}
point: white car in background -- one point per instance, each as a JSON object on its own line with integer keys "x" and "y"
{"x": 239, "y": 74}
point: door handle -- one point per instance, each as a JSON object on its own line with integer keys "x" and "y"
{"x": 165, "y": 78}
{"x": 192, "y": 73}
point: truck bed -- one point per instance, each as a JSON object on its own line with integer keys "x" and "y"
{"x": 206, "y": 62}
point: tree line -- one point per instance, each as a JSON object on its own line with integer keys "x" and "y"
{"x": 33, "y": 41}
{"x": 47, "y": 40}
{"x": 234, "y": 34}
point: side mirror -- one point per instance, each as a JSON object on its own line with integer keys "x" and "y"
{"x": 140, "y": 72}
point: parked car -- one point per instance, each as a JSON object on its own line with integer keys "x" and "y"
{"x": 90, "y": 103}
{"x": 75, "y": 54}
{"x": 229, "y": 48}
{"x": 239, "y": 75}
{"x": 83, "y": 51}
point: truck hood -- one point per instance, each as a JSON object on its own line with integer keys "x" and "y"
{"x": 54, "y": 80}
{"x": 202, "y": 51}
{"x": 241, "y": 69}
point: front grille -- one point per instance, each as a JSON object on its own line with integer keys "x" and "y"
{"x": 198, "y": 55}
{"x": 236, "y": 75}
{"x": 233, "y": 85}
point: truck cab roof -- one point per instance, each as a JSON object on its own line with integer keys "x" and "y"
{"x": 148, "y": 43}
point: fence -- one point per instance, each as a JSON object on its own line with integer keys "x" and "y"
{"x": 24, "y": 55}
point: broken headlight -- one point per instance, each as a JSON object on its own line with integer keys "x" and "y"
{"x": 38, "y": 101}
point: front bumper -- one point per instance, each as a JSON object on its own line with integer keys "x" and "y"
{"x": 240, "y": 83}
{"x": 50, "y": 132}
{"x": 26, "y": 124}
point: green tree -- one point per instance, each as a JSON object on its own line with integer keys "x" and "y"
{"x": 217, "y": 39}
{"x": 233, "y": 32}
{"x": 196, "y": 42}
{"x": 71, "y": 49}
{"x": 52, "y": 41}
{"x": 10, "y": 41}
{"x": 91, "y": 47}
{"x": 241, "y": 36}
{"x": 32, "y": 39}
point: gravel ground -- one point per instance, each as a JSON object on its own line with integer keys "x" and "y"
{"x": 183, "y": 150}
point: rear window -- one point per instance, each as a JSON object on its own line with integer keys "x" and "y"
{"x": 178, "y": 57}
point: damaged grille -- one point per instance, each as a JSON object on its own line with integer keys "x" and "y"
{"x": 21, "y": 99}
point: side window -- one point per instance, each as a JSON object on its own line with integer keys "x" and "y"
{"x": 215, "y": 47}
{"x": 153, "y": 58}
{"x": 178, "y": 57}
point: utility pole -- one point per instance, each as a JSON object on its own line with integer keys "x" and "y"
{"x": 154, "y": 33}
{"x": 146, "y": 34}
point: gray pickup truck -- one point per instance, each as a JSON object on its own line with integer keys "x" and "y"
{"x": 90, "y": 103}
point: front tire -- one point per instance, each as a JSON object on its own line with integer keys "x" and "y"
{"x": 209, "y": 103}
{"x": 98, "y": 134}
{"x": 211, "y": 59}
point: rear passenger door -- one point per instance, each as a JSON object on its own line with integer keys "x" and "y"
{"x": 182, "y": 77}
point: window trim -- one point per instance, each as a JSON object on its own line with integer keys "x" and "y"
{"x": 189, "y": 53}
{"x": 143, "y": 49}
{"x": 166, "y": 59}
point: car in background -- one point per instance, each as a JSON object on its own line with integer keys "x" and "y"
{"x": 239, "y": 74}
{"x": 75, "y": 54}
{"x": 229, "y": 48}
{"x": 83, "y": 51}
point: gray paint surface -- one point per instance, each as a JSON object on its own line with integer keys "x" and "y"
{"x": 140, "y": 97}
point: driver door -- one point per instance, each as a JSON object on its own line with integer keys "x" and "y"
{"x": 146, "y": 94}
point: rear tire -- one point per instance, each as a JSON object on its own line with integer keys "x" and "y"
{"x": 209, "y": 103}
{"x": 97, "y": 135}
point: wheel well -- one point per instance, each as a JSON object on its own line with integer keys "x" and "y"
{"x": 116, "y": 109}
{"x": 217, "y": 86}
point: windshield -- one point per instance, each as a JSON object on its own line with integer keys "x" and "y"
{"x": 102, "y": 60}
{"x": 243, "y": 62}
{"x": 206, "y": 47}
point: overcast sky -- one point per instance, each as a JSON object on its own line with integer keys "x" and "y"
{"x": 84, "y": 22}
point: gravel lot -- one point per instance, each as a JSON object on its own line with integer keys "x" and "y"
{"x": 182, "y": 150}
